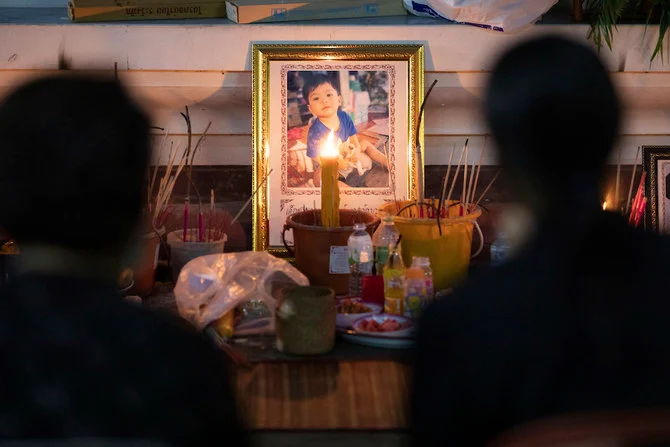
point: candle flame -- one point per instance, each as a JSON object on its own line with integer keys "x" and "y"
{"x": 329, "y": 149}
{"x": 604, "y": 205}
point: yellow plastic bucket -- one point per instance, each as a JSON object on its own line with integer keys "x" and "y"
{"x": 449, "y": 251}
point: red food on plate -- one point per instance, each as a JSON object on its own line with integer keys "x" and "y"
{"x": 389, "y": 325}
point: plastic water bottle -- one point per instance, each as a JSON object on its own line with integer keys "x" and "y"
{"x": 423, "y": 262}
{"x": 360, "y": 258}
{"x": 415, "y": 292}
{"x": 394, "y": 283}
{"x": 386, "y": 236}
{"x": 499, "y": 249}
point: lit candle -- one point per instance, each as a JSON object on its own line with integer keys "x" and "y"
{"x": 330, "y": 190}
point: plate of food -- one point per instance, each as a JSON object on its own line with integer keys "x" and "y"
{"x": 381, "y": 331}
{"x": 377, "y": 342}
{"x": 352, "y": 309}
{"x": 384, "y": 326}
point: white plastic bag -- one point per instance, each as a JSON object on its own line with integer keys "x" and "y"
{"x": 420, "y": 8}
{"x": 210, "y": 286}
{"x": 498, "y": 15}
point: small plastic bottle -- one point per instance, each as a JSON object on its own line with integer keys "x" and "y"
{"x": 423, "y": 262}
{"x": 394, "y": 278}
{"x": 360, "y": 258}
{"x": 386, "y": 236}
{"x": 499, "y": 249}
{"x": 415, "y": 292}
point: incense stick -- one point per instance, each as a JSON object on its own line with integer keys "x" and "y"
{"x": 166, "y": 185}
{"x": 246, "y": 204}
{"x": 200, "y": 140}
{"x": 158, "y": 163}
{"x": 487, "y": 188}
{"x": 444, "y": 186}
{"x": 616, "y": 187}
{"x": 479, "y": 168}
{"x": 458, "y": 168}
{"x": 464, "y": 192}
{"x": 469, "y": 191}
{"x": 417, "y": 143}
{"x": 632, "y": 179}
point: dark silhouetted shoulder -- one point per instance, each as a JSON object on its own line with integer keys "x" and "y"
{"x": 76, "y": 360}
{"x": 573, "y": 323}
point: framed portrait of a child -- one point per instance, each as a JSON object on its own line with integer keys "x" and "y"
{"x": 367, "y": 95}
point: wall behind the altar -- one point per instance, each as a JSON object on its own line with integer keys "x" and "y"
{"x": 207, "y": 66}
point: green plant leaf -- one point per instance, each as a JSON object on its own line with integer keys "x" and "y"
{"x": 662, "y": 29}
{"x": 604, "y": 16}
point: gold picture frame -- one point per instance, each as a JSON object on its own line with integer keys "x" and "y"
{"x": 656, "y": 163}
{"x": 277, "y": 69}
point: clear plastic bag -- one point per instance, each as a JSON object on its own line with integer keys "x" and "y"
{"x": 498, "y": 15}
{"x": 210, "y": 286}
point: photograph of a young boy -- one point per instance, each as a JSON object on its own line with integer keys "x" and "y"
{"x": 324, "y": 101}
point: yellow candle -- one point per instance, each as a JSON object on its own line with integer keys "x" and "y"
{"x": 330, "y": 189}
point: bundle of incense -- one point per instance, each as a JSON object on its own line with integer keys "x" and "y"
{"x": 640, "y": 212}
{"x": 189, "y": 171}
{"x": 617, "y": 205}
{"x": 632, "y": 180}
{"x": 211, "y": 211}
{"x": 185, "y": 237}
{"x": 469, "y": 184}
{"x": 639, "y": 199}
{"x": 160, "y": 210}
{"x": 217, "y": 230}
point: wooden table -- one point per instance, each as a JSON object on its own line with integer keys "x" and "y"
{"x": 352, "y": 387}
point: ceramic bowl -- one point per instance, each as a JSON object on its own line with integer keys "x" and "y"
{"x": 346, "y": 320}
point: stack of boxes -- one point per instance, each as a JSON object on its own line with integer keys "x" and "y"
{"x": 238, "y": 11}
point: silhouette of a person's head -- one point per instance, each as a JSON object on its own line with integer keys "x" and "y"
{"x": 554, "y": 115}
{"x": 74, "y": 153}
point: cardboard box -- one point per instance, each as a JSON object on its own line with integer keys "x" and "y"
{"x": 253, "y": 11}
{"x": 148, "y": 11}
{"x": 138, "y": 3}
